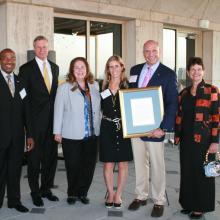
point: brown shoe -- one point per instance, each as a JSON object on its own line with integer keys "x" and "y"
{"x": 135, "y": 205}
{"x": 157, "y": 211}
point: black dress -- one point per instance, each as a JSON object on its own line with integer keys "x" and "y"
{"x": 197, "y": 192}
{"x": 113, "y": 147}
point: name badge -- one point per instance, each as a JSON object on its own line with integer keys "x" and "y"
{"x": 133, "y": 79}
{"x": 106, "y": 93}
{"x": 23, "y": 93}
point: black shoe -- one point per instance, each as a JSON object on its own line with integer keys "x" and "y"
{"x": 19, "y": 208}
{"x": 84, "y": 200}
{"x": 37, "y": 201}
{"x": 117, "y": 205}
{"x": 157, "y": 211}
{"x": 71, "y": 200}
{"x": 185, "y": 211}
{"x": 196, "y": 216}
{"x": 50, "y": 196}
{"x": 108, "y": 205}
{"x": 136, "y": 204}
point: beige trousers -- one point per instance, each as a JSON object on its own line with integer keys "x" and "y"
{"x": 149, "y": 169}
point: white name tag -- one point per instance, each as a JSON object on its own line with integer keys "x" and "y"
{"x": 105, "y": 94}
{"x": 133, "y": 79}
{"x": 23, "y": 93}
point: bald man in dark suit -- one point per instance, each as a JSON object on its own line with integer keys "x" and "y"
{"x": 14, "y": 121}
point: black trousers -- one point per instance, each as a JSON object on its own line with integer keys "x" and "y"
{"x": 10, "y": 172}
{"x": 42, "y": 160}
{"x": 80, "y": 160}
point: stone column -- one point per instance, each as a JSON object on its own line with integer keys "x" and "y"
{"x": 22, "y": 24}
{"x": 136, "y": 33}
{"x": 211, "y": 55}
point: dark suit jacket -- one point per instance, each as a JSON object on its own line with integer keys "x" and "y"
{"x": 41, "y": 101}
{"x": 166, "y": 78}
{"x": 14, "y": 114}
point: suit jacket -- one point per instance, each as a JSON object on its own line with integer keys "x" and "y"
{"x": 41, "y": 101}
{"x": 14, "y": 114}
{"x": 207, "y": 118}
{"x": 166, "y": 78}
{"x": 69, "y": 111}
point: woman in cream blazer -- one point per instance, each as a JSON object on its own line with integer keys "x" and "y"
{"x": 76, "y": 126}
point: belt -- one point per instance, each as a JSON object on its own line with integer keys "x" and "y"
{"x": 114, "y": 120}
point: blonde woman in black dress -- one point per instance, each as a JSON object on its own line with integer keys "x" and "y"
{"x": 113, "y": 147}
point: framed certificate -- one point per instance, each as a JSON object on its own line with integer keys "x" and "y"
{"x": 141, "y": 110}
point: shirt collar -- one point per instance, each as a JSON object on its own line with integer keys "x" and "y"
{"x": 6, "y": 74}
{"x": 153, "y": 67}
{"x": 39, "y": 61}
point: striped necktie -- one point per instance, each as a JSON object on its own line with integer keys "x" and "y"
{"x": 10, "y": 85}
{"x": 46, "y": 77}
{"x": 147, "y": 77}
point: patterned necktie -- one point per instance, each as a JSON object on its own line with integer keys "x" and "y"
{"x": 10, "y": 85}
{"x": 46, "y": 77}
{"x": 147, "y": 77}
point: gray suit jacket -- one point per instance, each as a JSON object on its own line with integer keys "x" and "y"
{"x": 69, "y": 111}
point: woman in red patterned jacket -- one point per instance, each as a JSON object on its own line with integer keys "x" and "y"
{"x": 197, "y": 131}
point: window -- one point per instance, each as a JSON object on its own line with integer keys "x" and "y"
{"x": 95, "y": 40}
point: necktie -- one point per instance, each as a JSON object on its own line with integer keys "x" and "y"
{"x": 147, "y": 77}
{"x": 46, "y": 77}
{"x": 10, "y": 85}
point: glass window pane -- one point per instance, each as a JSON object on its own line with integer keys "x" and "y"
{"x": 105, "y": 40}
{"x": 169, "y": 48}
{"x": 69, "y": 42}
{"x": 181, "y": 60}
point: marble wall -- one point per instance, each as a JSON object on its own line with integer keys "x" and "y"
{"x": 23, "y": 23}
{"x": 22, "y": 20}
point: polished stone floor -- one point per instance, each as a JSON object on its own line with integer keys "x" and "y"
{"x": 96, "y": 209}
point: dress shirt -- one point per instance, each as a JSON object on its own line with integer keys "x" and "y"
{"x": 144, "y": 72}
{"x": 6, "y": 79}
{"x": 40, "y": 63}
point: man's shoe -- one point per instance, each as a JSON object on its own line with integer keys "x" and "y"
{"x": 19, "y": 208}
{"x": 157, "y": 211}
{"x": 50, "y": 196}
{"x": 84, "y": 200}
{"x": 195, "y": 215}
{"x": 71, "y": 200}
{"x": 135, "y": 205}
{"x": 37, "y": 201}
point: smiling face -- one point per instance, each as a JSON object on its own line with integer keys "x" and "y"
{"x": 41, "y": 49}
{"x": 79, "y": 70}
{"x": 7, "y": 60}
{"x": 115, "y": 69}
{"x": 151, "y": 52}
{"x": 196, "y": 73}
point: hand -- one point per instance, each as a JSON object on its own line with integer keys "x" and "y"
{"x": 29, "y": 144}
{"x": 58, "y": 138}
{"x": 157, "y": 133}
{"x": 213, "y": 148}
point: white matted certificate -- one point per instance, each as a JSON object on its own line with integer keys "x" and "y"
{"x": 141, "y": 110}
{"x": 142, "y": 116}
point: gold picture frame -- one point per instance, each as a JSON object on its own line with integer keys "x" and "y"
{"x": 142, "y": 110}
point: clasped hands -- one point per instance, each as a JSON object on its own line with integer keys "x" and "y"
{"x": 156, "y": 133}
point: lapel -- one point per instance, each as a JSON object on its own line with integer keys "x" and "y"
{"x": 138, "y": 71}
{"x": 54, "y": 77}
{"x": 154, "y": 79}
{"x": 5, "y": 85}
{"x": 38, "y": 75}
{"x": 41, "y": 78}
{"x": 17, "y": 85}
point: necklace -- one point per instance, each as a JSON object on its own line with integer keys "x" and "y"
{"x": 113, "y": 99}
